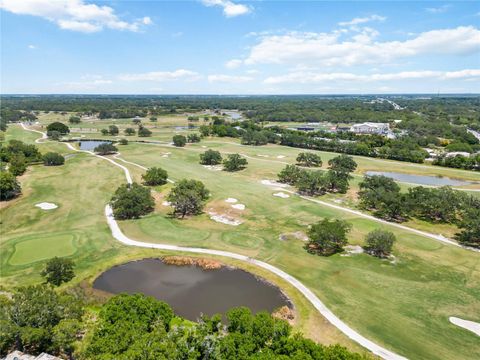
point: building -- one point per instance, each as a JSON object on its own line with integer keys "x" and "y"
{"x": 370, "y": 128}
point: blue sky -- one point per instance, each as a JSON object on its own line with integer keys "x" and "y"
{"x": 239, "y": 47}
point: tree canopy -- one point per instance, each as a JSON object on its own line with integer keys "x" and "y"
{"x": 58, "y": 126}
{"x": 9, "y": 186}
{"x": 58, "y": 270}
{"x": 155, "y": 176}
{"x": 379, "y": 243}
{"x": 328, "y": 237}
{"x": 234, "y": 162}
{"x": 131, "y": 201}
{"x": 309, "y": 159}
{"x": 105, "y": 149}
{"x": 188, "y": 197}
{"x": 53, "y": 159}
{"x": 211, "y": 157}
{"x": 179, "y": 140}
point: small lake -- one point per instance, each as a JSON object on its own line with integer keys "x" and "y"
{"x": 235, "y": 115}
{"x": 420, "y": 179}
{"x": 190, "y": 290}
{"x": 91, "y": 144}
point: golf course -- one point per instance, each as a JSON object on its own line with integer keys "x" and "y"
{"x": 402, "y": 304}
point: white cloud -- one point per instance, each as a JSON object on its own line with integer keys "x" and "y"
{"x": 32, "y": 47}
{"x": 74, "y": 15}
{"x": 328, "y": 49}
{"x": 312, "y": 77}
{"x": 161, "y": 76}
{"x": 229, "y": 78}
{"x": 438, "y": 10}
{"x": 230, "y": 9}
{"x": 362, "y": 20}
{"x": 233, "y": 64}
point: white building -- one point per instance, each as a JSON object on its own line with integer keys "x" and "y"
{"x": 371, "y": 128}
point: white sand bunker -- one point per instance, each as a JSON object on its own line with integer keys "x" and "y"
{"x": 280, "y": 156}
{"x": 166, "y": 203}
{"x": 224, "y": 219}
{"x": 265, "y": 156}
{"x": 204, "y": 147}
{"x": 281, "y": 195}
{"x": 352, "y": 250}
{"x": 46, "y": 206}
{"x": 273, "y": 183}
{"x": 466, "y": 324}
{"x": 239, "y": 206}
{"x": 231, "y": 200}
{"x": 213, "y": 167}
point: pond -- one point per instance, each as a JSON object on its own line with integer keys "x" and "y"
{"x": 91, "y": 144}
{"x": 235, "y": 115}
{"x": 420, "y": 179}
{"x": 190, "y": 290}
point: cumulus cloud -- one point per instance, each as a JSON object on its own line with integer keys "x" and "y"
{"x": 438, "y": 10}
{"x": 312, "y": 77}
{"x": 233, "y": 64}
{"x": 161, "y": 76}
{"x": 362, "y": 20}
{"x": 74, "y": 15}
{"x": 32, "y": 47}
{"x": 229, "y": 78}
{"x": 330, "y": 49}
{"x": 230, "y": 9}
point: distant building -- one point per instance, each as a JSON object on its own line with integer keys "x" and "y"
{"x": 371, "y": 128}
{"x": 18, "y": 355}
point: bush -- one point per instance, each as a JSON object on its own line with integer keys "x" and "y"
{"x": 18, "y": 164}
{"x": 54, "y": 135}
{"x": 74, "y": 120}
{"x": 210, "y": 157}
{"x": 144, "y": 132}
{"x": 58, "y": 271}
{"x": 129, "y": 131}
{"x": 234, "y": 162}
{"x": 188, "y": 197}
{"x": 155, "y": 176}
{"x": 104, "y": 131}
{"x": 379, "y": 243}
{"x": 193, "y": 138}
{"x": 53, "y": 159}
{"x": 58, "y": 126}
{"x": 179, "y": 140}
{"x": 123, "y": 142}
{"x": 105, "y": 149}
{"x": 153, "y": 119}
{"x": 131, "y": 202}
{"x": 328, "y": 237}
{"x": 113, "y": 130}
{"x": 9, "y": 186}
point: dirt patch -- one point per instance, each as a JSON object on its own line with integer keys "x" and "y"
{"x": 205, "y": 264}
{"x": 352, "y": 250}
{"x": 227, "y": 220}
{"x": 298, "y": 235}
{"x": 213, "y": 167}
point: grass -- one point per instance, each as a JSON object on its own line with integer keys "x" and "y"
{"x": 404, "y": 306}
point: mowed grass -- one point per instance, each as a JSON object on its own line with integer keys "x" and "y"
{"x": 403, "y": 305}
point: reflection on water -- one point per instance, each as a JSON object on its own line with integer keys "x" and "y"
{"x": 420, "y": 179}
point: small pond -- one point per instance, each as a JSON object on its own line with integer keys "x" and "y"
{"x": 420, "y": 179}
{"x": 91, "y": 144}
{"x": 190, "y": 290}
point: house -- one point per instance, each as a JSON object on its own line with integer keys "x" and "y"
{"x": 370, "y": 128}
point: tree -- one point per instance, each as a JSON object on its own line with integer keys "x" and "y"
{"x": 342, "y": 163}
{"x": 131, "y": 201}
{"x": 311, "y": 183}
{"x": 53, "y": 159}
{"x": 193, "y": 138}
{"x": 104, "y": 131}
{"x": 289, "y": 175}
{"x": 105, "y": 149}
{"x": 179, "y": 140}
{"x": 188, "y": 197}
{"x": 328, "y": 237}
{"x": 234, "y": 162}
{"x": 211, "y": 157}
{"x": 9, "y": 186}
{"x": 309, "y": 159}
{"x": 74, "y": 120}
{"x": 113, "y": 130}
{"x": 379, "y": 243}
{"x": 58, "y": 126}
{"x": 18, "y": 164}
{"x": 54, "y": 135}
{"x": 123, "y": 142}
{"x": 64, "y": 335}
{"x": 144, "y": 132}
{"x": 137, "y": 121}
{"x": 153, "y": 119}
{"x": 58, "y": 271}
{"x": 204, "y": 130}
{"x": 129, "y": 131}
{"x": 155, "y": 176}
{"x": 470, "y": 227}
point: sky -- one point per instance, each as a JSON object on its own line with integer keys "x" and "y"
{"x": 239, "y": 47}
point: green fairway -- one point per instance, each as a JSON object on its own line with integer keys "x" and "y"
{"x": 403, "y": 305}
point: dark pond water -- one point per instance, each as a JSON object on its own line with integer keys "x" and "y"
{"x": 91, "y": 144}
{"x": 420, "y": 179}
{"x": 190, "y": 290}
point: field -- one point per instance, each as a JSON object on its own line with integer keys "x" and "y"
{"x": 403, "y": 305}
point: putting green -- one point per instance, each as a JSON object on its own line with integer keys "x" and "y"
{"x": 36, "y": 248}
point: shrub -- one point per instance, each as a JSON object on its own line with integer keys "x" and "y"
{"x": 179, "y": 140}
{"x": 113, "y": 130}
{"x": 104, "y": 131}
{"x": 144, "y": 132}
{"x": 74, "y": 120}
{"x": 129, "y": 131}
{"x": 234, "y": 162}
{"x": 193, "y": 138}
{"x": 131, "y": 201}
{"x": 210, "y": 157}
{"x": 9, "y": 186}
{"x": 328, "y": 237}
{"x": 18, "y": 164}
{"x": 123, "y": 142}
{"x": 53, "y": 159}
{"x": 155, "y": 176}
{"x": 105, "y": 149}
{"x": 379, "y": 243}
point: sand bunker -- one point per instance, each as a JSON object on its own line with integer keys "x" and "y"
{"x": 280, "y": 156}
{"x": 466, "y": 324}
{"x": 213, "y": 167}
{"x": 299, "y": 235}
{"x": 273, "y": 183}
{"x": 352, "y": 250}
{"x": 231, "y": 200}
{"x": 224, "y": 219}
{"x": 239, "y": 206}
{"x": 166, "y": 203}
{"x": 265, "y": 156}
{"x": 46, "y": 206}
{"x": 281, "y": 195}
